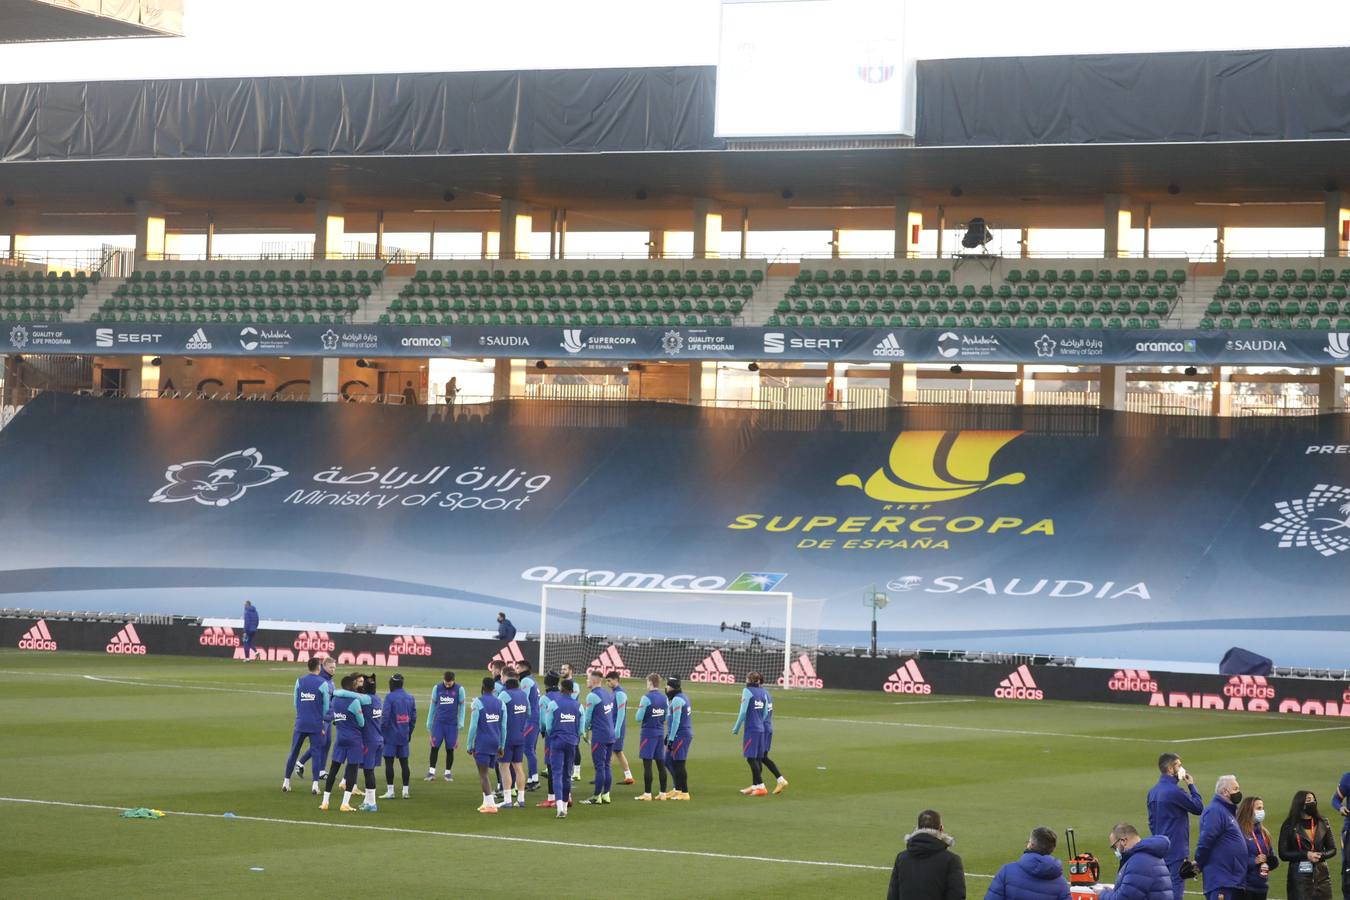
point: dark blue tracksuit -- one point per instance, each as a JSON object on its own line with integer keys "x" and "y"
{"x": 312, "y": 700}
{"x": 398, "y": 719}
{"x": 250, "y": 629}
{"x": 1221, "y": 850}
{"x": 1170, "y": 807}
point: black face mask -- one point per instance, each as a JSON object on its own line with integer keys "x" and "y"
{"x": 1235, "y": 798}
{"x": 1309, "y": 809}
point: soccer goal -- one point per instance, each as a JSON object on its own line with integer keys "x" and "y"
{"x": 714, "y": 637}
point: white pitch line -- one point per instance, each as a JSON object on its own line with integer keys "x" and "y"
{"x": 931, "y": 702}
{"x": 704, "y": 854}
{"x": 182, "y": 687}
{"x": 1234, "y": 737}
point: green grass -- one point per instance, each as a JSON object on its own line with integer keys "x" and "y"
{"x": 860, "y": 765}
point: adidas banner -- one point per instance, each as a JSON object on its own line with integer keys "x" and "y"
{"x": 879, "y": 344}
{"x": 1119, "y": 538}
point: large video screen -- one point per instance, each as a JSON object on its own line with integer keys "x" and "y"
{"x": 813, "y": 67}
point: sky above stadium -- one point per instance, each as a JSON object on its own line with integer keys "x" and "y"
{"x": 265, "y": 37}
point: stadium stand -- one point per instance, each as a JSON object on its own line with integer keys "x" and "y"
{"x": 28, "y": 295}
{"x": 590, "y": 292}
{"x": 1272, "y": 294}
{"x": 984, "y": 293}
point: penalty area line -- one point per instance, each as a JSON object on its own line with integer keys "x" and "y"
{"x": 702, "y": 854}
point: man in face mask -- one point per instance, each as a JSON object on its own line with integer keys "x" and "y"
{"x": 1221, "y": 851}
{"x": 1144, "y": 874}
{"x": 1171, "y": 803}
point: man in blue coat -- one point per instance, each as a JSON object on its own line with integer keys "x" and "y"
{"x": 1144, "y": 874}
{"x": 250, "y": 629}
{"x": 1037, "y": 875}
{"x": 1221, "y": 851}
{"x": 1171, "y": 803}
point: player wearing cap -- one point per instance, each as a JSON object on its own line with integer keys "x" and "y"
{"x": 679, "y": 737}
{"x": 399, "y": 721}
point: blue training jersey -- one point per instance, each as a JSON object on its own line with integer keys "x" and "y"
{"x": 768, "y": 711}
{"x": 312, "y": 700}
{"x": 681, "y": 718}
{"x": 485, "y": 724}
{"x": 620, "y": 712}
{"x": 447, "y": 707}
{"x": 545, "y": 702}
{"x": 651, "y": 714}
{"x": 399, "y": 717}
{"x": 562, "y": 717}
{"x": 598, "y": 718}
{"x": 517, "y": 704}
{"x": 753, "y": 702}
{"x": 531, "y": 689}
{"x": 348, "y": 717}
{"x": 372, "y": 735}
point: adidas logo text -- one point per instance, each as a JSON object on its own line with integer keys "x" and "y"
{"x": 37, "y": 638}
{"x": 410, "y": 645}
{"x": 889, "y": 346}
{"x": 198, "y": 341}
{"x": 1130, "y": 680}
{"x": 907, "y": 680}
{"x": 218, "y": 636}
{"x": 126, "y": 642}
{"x": 315, "y": 641}
{"x": 1253, "y": 687}
{"x": 1019, "y": 686}
{"x": 802, "y": 673}
{"x": 713, "y": 670}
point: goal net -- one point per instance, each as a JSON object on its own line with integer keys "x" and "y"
{"x": 713, "y": 637}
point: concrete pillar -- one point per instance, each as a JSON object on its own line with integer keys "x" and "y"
{"x": 13, "y": 252}
{"x": 834, "y": 243}
{"x": 1331, "y": 390}
{"x": 210, "y": 236}
{"x": 908, "y": 226}
{"x": 745, "y": 232}
{"x": 149, "y": 231}
{"x": 1221, "y": 244}
{"x": 562, "y": 234}
{"x": 1024, "y": 242}
{"x": 1148, "y": 228}
{"x": 1019, "y": 389}
{"x": 695, "y": 383}
{"x": 1114, "y": 386}
{"x": 508, "y": 378}
{"x": 656, "y": 244}
{"x": 491, "y": 244}
{"x": 330, "y": 229}
{"x": 707, "y": 229}
{"x": 553, "y": 234}
{"x": 902, "y": 388}
{"x": 942, "y": 228}
{"x": 1336, "y": 222}
{"x": 1116, "y": 225}
{"x": 142, "y": 377}
{"x": 379, "y": 235}
{"x": 1222, "y": 398}
{"x": 323, "y": 379}
{"x": 517, "y": 224}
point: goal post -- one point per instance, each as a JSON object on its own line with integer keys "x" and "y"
{"x": 700, "y": 636}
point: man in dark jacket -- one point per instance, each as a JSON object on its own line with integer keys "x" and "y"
{"x": 505, "y": 630}
{"x": 1221, "y": 850}
{"x": 1171, "y": 803}
{"x": 927, "y": 869}
{"x": 1143, "y": 871}
{"x": 250, "y": 628}
{"x": 1037, "y": 875}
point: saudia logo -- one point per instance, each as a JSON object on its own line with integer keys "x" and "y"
{"x": 924, "y": 467}
{"x": 931, "y": 466}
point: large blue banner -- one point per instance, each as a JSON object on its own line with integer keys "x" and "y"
{"x": 1122, "y": 540}
{"x": 950, "y": 345}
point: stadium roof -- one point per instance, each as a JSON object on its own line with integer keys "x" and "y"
{"x": 72, "y": 20}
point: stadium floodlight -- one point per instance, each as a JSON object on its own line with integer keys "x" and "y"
{"x": 877, "y": 600}
{"x": 977, "y": 234}
{"x": 714, "y": 636}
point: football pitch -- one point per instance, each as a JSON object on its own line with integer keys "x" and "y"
{"x": 86, "y": 736}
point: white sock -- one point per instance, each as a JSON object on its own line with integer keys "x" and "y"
{"x": 285, "y": 782}
{"x": 346, "y": 798}
{"x": 326, "y": 795}
{"x": 562, "y": 805}
{"x": 432, "y": 771}
{"x": 405, "y": 790}
{"x": 370, "y": 796}
{"x": 520, "y": 794}
{"x": 551, "y": 798}
{"x": 782, "y": 780}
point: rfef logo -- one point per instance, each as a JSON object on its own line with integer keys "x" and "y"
{"x": 218, "y": 636}
{"x": 37, "y": 638}
{"x": 508, "y": 654}
{"x": 1249, "y": 687}
{"x": 932, "y": 466}
{"x": 713, "y": 670}
{"x": 801, "y": 674}
{"x": 1020, "y": 685}
{"x": 609, "y": 660}
{"x": 314, "y": 641}
{"x": 126, "y": 642}
{"x": 907, "y": 680}
{"x": 409, "y": 645}
{"x": 1132, "y": 680}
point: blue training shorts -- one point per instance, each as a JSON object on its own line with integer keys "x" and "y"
{"x": 392, "y": 751}
{"x": 679, "y": 749}
{"x": 513, "y": 753}
{"x": 485, "y": 759}
{"x": 348, "y": 753}
{"x": 652, "y": 747}
{"x": 752, "y": 745}
{"x": 371, "y": 758}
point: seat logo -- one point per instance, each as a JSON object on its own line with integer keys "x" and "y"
{"x": 933, "y": 466}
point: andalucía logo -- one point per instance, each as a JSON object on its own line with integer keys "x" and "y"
{"x": 315, "y": 641}
{"x": 1311, "y": 522}
{"x": 216, "y": 482}
{"x": 218, "y": 636}
{"x": 1019, "y": 686}
{"x": 508, "y": 654}
{"x": 907, "y": 680}
{"x": 37, "y": 638}
{"x": 409, "y": 645}
{"x": 126, "y": 642}
{"x": 713, "y": 670}
{"x": 802, "y": 673}
{"x": 1127, "y": 681}
{"x": 609, "y": 660}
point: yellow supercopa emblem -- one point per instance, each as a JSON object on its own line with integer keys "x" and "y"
{"x": 932, "y": 466}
